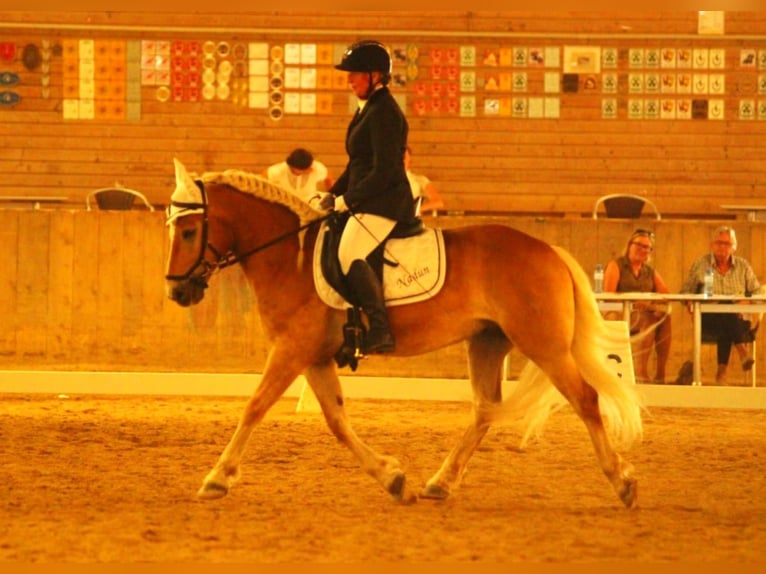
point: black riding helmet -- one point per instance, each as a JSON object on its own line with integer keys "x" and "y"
{"x": 367, "y": 56}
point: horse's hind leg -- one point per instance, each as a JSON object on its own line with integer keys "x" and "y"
{"x": 486, "y": 352}
{"x": 618, "y": 471}
{"x": 584, "y": 400}
{"x": 387, "y": 470}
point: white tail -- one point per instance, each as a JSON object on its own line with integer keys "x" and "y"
{"x": 535, "y": 397}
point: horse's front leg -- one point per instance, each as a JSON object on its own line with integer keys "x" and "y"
{"x": 280, "y": 371}
{"x": 387, "y": 470}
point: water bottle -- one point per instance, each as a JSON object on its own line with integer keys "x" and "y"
{"x": 598, "y": 278}
{"x": 707, "y": 285}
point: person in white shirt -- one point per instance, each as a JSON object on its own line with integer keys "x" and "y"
{"x": 300, "y": 173}
{"x": 422, "y": 187}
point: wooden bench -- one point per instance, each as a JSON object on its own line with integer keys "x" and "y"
{"x": 37, "y": 200}
{"x": 753, "y": 212}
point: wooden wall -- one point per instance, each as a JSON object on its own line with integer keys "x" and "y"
{"x": 85, "y": 291}
{"x": 482, "y": 162}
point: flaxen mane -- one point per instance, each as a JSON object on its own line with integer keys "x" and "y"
{"x": 261, "y": 187}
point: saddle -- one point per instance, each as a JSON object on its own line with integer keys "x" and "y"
{"x": 410, "y": 264}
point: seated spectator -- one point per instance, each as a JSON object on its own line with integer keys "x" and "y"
{"x": 732, "y": 275}
{"x": 303, "y": 175}
{"x": 631, "y": 272}
{"x": 422, "y": 187}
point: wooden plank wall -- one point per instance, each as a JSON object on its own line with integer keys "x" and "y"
{"x": 85, "y": 291}
{"x": 482, "y": 163}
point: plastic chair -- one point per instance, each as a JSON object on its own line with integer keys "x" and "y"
{"x": 116, "y": 198}
{"x": 624, "y": 205}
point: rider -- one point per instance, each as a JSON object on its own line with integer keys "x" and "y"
{"x": 374, "y": 186}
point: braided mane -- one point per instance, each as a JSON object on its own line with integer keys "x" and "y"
{"x": 261, "y": 187}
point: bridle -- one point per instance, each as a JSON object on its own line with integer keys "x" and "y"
{"x": 222, "y": 260}
{"x": 198, "y": 278}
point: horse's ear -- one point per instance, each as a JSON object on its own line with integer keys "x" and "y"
{"x": 186, "y": 190}
{"x": 187, "y": 197}
{"x": 181, "y": 173}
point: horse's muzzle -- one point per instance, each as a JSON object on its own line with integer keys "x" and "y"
{"x": 186, "y": 293}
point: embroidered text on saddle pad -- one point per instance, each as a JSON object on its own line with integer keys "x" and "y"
{"x": 419, "y": 275}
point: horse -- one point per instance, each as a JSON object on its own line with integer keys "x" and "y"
{"x": 235, "y": 217}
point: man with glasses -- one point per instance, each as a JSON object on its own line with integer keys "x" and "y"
{"x": 631, "y": 272}
{"x": 732, "y": 275}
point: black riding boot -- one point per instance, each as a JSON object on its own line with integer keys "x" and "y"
{"x": 366, "y": 287}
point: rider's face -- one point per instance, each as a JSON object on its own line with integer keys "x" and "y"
{"x": 360, "y": 83}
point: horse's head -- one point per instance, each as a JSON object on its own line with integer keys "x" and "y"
{"x": 211, "y": 227}
{"x": 192, "y": 258}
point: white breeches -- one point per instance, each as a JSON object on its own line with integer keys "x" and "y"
{"x": 362, "y": 234}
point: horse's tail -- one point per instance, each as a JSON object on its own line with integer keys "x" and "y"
{"x": 535, "y": 398}
{"x": 619, "y": 400}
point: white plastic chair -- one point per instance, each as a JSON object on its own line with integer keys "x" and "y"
{"x": 624, "y": 205}
{"x": 120, "y": 198}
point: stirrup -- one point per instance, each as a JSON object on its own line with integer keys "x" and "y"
{"x": 353, "y": 335}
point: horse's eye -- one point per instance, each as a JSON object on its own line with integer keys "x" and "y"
{"x": 188, "y": 234}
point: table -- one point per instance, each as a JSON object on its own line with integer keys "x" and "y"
{"x": 751, "y": 210}
{"x": 700, "y": 304}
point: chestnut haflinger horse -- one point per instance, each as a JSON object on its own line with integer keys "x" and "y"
{"x": 237, "y": 217}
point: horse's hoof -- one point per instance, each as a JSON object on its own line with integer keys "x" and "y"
{"x": 212, "y": 490}
{"x": 629, "y": 493}
{"x": 434, "y": 491}
{"x": 398, "y": 489}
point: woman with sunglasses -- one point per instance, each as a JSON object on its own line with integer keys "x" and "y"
{"x": 631, "y": 272}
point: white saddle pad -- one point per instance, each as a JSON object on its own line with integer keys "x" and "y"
{"x": 419, "y": 275}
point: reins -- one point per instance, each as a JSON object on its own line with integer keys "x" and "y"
{"x": 232, "y": 258}
{"x": 226, "y": 259}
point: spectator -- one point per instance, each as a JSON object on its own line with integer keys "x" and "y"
{"x": 422, "y": 187}
{"x": 631, "y": 272}
{"x": 732, "y": 275}
{"x": 300, "y": 173}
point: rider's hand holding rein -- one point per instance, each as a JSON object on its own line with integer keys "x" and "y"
{"x": 327, "y": 202}
{"x": 333, "y": 203}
